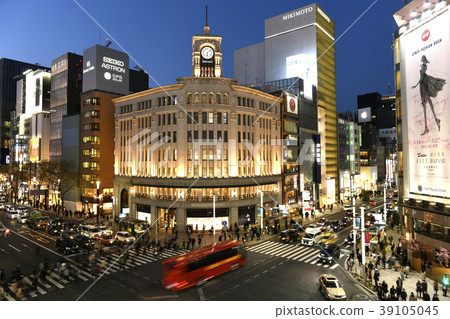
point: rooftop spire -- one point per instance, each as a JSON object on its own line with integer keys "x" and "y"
{"x": 206, "y": 28}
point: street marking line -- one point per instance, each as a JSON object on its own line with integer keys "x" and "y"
{"x": 299, "y": 251}
{"x": 255, "y": 276}
{"x": 326, "y": 266}
{"x": 265, "y": 271}
{"x": 311, "y": 258}
{"x": 201, "y": 294}
{"x": 57, "y": 284}
{"x": 267, "y": 249}
{"x": 307, "y": 255}
{"x": 304, "y": 252}
{"x": 261, "y": 247}
{"x": 280, "y": 251}
{"x": 334, "y": 266}
{"x": 315, "y": 262}
{"x": 14, "y": 248}
{"x": 287, "y": 252}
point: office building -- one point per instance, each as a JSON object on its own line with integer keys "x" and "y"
{"x": 299, "y": 44}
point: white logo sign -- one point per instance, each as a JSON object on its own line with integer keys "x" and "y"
{"x": 297, "y": 13}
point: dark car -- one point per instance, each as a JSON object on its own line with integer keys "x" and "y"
{"x": 328, "y": 253}
{"x": 54, "y": 229}
{"x": 69, "y": 234}
{"x": 337, "y": 225}
{"x": 66, "y": 246}
{"x": 57, "y": 221}
{"x": 289, "y": 235}
{"x": 346, "y": 221}
{"x": 83, "y": 242}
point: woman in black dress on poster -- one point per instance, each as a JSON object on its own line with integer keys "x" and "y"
{"x": 429, "y": 87}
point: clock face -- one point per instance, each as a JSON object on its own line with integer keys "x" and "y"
{"x": 207, "y": 53}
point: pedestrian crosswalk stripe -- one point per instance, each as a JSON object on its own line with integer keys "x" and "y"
{"x": 289, "y": 251}
{"x": 281, "y": 250}
{"x": 311, "y": 258}
{"x": 314, "y": 262}
{"x": 253, "y": 248}
{"x": 10, "y": 298}
{"x": 261, "y": 247}
{"x": 298, "y": 252}
{"x": 334, "y": 266}
{"x": 57, "y": 284}
{"x": 266, "y": 249}
{"x": 307, "y": 255}
{"x": 326, "y": 266}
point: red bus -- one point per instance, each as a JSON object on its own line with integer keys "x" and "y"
{"x": 201, "y": 265}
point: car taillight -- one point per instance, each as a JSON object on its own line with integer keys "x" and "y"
{"x": 287, "y": 238}
{"x": 7, "y": 231}
{"x": 279, "y": 236}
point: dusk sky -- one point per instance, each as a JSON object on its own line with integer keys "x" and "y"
{"x": 158, "y": 34}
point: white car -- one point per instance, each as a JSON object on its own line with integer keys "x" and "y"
{"x": 12, "y": 214}
{"x": 22, "y": 218}
{"x": 2, "y": 205}
{"x": 125, "y": 237}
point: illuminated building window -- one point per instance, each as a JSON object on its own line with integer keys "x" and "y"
{"x": 91, "y": 139}
{"x": 196, "y": 154}
{"x": 219, "y": 154}
{"x": 92, "y": 101}
{"x": 93, "y": 114}
{"x": 189, "y": 156}
{"x": 92, "y": 127}
{"x": 225, "y": 118}
{"x": 204, "y": 157}
{"x": 94, "y": 152}
{"x": 211, "y": 117}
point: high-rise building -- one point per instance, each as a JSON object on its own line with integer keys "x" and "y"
{"x": 65, "y": 97}
{"x": 106, "y": 75}
{"x": 422, "y": 77}
{"x": 9, "y": 70}
{"x": 299, "y": 44}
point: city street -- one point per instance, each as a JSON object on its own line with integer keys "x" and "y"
{"x": 286, "y": 271}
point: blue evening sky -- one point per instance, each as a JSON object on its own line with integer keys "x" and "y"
{"x": 158, "y": 34}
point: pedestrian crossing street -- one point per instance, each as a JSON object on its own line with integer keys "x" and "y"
{"x": 295, "y": 252}
{"x": 54, "y": 280}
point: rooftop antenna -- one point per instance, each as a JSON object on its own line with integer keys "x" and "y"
{"x": 389, "y": 88}
{"x": 107, "y": 43}
{"x": 206, "y": 28}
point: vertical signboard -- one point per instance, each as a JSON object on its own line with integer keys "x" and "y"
{"x": 106, "y": 70}
{"x": 426, "y": 67}
{"x": 34, "y": 149}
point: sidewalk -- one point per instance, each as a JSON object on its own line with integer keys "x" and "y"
{"x": 409, "y": 283}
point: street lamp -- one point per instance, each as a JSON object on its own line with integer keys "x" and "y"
{"x": 98, "y": 202}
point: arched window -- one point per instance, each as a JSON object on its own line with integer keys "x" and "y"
{"x": 203, "y": 98}
{"x": 218, "y": 99}
{"x": 189, "y": 98}
{"x": 211, "y": 98}
{"x": 225, "y": 98}
{"x": 196, "y": 98}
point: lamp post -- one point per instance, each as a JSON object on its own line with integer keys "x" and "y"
{"x": 214, "y": 217}
{"x": 98, "y": 202}
{"x": 363, "y": 245}
{"x": 262, "y": 214}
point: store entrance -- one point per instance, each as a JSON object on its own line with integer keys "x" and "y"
{"x": 167, "y": 217}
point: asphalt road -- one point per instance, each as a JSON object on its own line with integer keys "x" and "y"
{"x": 274, "y": 271}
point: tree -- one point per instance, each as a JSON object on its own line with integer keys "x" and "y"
{"x": 443, "y": 256}
{"x": 62, "y": 176}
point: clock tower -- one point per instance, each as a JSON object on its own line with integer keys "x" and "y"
{"x": 206, "y": 54}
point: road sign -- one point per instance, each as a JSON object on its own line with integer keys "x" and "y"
{"x": 224, "y": 222}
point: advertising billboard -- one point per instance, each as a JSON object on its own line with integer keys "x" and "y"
{"x": 426, "y": 67}
{"x": 291, "y": 106}
{"x": 34, "y": 149}
{"x": 105, "y": 69}
{"x": 364, "y": 115}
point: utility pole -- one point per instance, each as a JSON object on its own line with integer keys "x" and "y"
{"x": 363, "y": 245}
{"x": 214, "y": 217}
{"x": 262, "y": 214}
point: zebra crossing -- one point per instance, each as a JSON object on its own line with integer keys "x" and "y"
{"x": 305, "y": 254}
{"x": 110, "y": 264}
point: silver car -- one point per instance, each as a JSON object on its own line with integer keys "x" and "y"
{"x": 12, "y": 214}
{"x": 125, "y": 237}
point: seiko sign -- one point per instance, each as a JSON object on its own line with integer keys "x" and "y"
{"x": 105, "y": 69}
{"x": 298, "y": 13}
